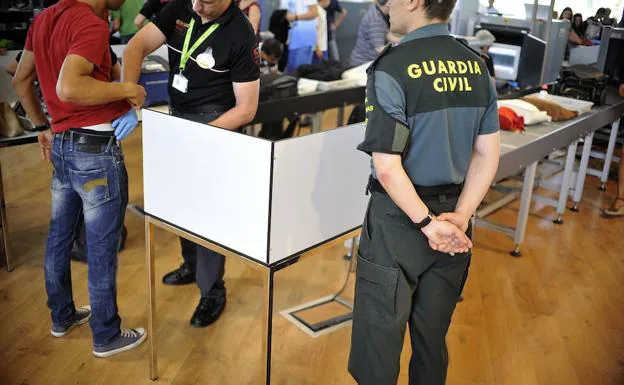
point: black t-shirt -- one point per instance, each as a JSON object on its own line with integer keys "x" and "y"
{"x": 232, "y": 45}
{"x": 152, "y": 8}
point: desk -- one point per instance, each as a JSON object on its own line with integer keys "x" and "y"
{"x": 27, "y": 138}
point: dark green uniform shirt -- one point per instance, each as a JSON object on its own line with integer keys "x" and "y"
{"x": 428, "y": 98}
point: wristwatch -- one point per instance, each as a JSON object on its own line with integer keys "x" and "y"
{"x": 43, "y": 127}
{"x": 420, "y": 225}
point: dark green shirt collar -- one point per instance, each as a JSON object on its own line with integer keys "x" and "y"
{"x": 437, "y": 29}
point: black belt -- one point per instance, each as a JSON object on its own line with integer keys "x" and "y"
{"x": 423, "y": 191}
{"x": 87, "y": 137}
{"x": 204, "y": 109}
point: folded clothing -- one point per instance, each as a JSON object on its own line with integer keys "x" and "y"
{"x": 530, "y": 113}
{"x": 556, "y": 112}
{"x": 509, "y": 120}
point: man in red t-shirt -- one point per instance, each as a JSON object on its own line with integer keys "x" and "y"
{"x": 67, "y": 51}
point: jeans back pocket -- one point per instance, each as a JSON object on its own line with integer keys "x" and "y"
{"x": 92, "y": 186}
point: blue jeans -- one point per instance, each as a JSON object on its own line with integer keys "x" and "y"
{"x": 298, "y": 57}
{"x": 91, "y": 181}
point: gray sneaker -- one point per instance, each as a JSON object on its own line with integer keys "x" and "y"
{"x": 83, "y": 314}
{"x": 127, "y": 340}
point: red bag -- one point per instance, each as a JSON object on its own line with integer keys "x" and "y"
{"x": 509, "y": 120}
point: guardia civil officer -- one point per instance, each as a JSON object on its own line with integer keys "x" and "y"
{"x": 214, "y": 75}
{"x": 432, "y": 131}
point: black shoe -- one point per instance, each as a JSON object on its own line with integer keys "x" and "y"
{"x": 210, "y": 308}
{"x": 181, "y": 276}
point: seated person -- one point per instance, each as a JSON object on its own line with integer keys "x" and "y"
{"x": 271, "y": 52}
{"x": 573, "y": 36}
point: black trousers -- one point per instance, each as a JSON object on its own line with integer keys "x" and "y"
{"x": 401, "y": 281}
{"x": 208, "y": 265}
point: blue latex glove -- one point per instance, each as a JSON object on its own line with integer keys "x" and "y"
{"x": 125, "y": 124}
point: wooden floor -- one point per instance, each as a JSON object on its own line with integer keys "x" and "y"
{"x": 552, "y": 317}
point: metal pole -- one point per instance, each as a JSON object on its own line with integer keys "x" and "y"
{"x": 534, "y": 16}
{"x": 547, "y": 38}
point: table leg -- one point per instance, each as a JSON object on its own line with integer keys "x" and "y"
{"x": 564, "y": 192}
{"x": 525, "y": 205}
{"x": 5, "y": 227}
{"x": 151, "y": 330}
{"x": 317, "y": 122}
{"x": 609, "y": 155}
{"x": 267, "y": 324}
{"x": 580, "y": 180}
{"x": 340, "y": 119}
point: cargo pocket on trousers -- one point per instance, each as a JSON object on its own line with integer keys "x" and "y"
{"x": 92, "y": 186}
{"x": 375, "y": 292}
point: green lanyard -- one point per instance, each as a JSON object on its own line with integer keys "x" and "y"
{"x": 186, "y": 53}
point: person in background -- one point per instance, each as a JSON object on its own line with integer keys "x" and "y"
{"x": 616, "y": 210}
{"x": 335, "y": 16}
{"x": 573, "y": 36}
{"x": 578, "y": 25}
{"x": 251, "y": 9}
{"x": 490, "y": 10}
{"x": 606, "y": 18}
{"x": 150, "y": 9}
{"x": 373, "y": 34}
{"x": 486, "y": 39}
{"x": 271, "y": 52}
{"x": 302, "y": 15}
{"x": 123, "y": 19}
{"x": 320, "y": 52}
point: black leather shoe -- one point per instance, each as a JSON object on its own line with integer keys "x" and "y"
{"x": 181, "y": 276}
{"x": 210, "y": 308}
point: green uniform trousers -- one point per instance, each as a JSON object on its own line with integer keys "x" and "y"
{"x": 400, "y": 280}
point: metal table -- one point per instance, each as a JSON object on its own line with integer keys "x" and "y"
{"x": 27, "y": 138}
{"x": 522, "y": 152}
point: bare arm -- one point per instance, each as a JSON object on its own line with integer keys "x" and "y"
{"x": 481, "y": 171}
{"x": 254, "y": 17}
{"x": 340, "y": 18}
{"x": 246, "y": 105}
{"x": 116, "y": 71}
{"x": 116, "y": 25}
{"x": 76, "y": 85}
{"x": 310, "y": 15}
{"x": 573, "y": 37}
{"x": 24, "y": 84}
{"x": 146, "y": 41}
{"x": 139, "y": 20}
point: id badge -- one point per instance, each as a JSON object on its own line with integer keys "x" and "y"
{"x": 180, "y": 83}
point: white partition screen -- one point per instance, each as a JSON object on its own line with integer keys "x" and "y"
{"x": 318, "y": 189}
{"x": 209, "y": 181}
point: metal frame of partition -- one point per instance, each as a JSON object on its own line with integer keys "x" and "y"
{"x": 268, "y": 271}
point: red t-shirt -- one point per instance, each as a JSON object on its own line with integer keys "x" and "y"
{"x": 71, "y": 28}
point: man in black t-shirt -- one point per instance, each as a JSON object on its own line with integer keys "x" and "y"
{"x": 218, "y": 85}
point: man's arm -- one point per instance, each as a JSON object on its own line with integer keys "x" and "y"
{"x": 76, "y": 85}
{"x": 481, "y": 172}
{"x": 246, "y": 105}
{"x": 341, "y": 15}
{"x": 146, "y": 41}
{"x": 24, "y": 84}
{"x": 310, "y": 15}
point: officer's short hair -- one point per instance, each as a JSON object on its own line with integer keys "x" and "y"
{"x": 439, "y": 9}
{"x": 273, "y": 47}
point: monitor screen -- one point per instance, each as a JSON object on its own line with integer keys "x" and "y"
{"x": 531, "y": 61}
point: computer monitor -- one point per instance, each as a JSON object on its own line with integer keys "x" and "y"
{"x": 611, "y": 54}
{"x": 531, "y": 61}
{"x": 506, "y": 58}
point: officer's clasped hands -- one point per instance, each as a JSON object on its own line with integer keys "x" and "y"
{"x": 445, "y": 236}
{"x": 125, "y": 124}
